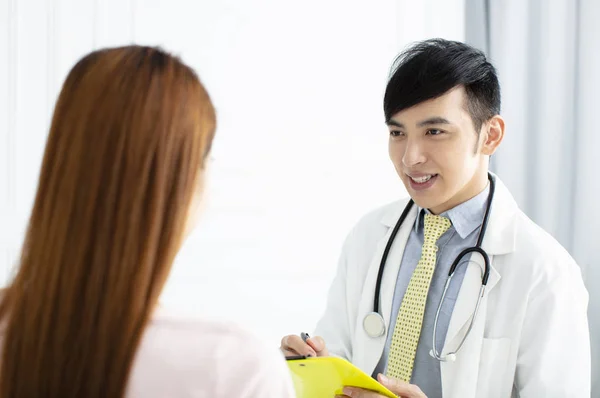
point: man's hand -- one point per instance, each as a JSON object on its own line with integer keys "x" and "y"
{"x": 400, "y": 388}
{"x": 294, "y": 345}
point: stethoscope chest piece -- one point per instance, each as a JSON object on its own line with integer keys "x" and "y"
{"x": 374, "y": 325}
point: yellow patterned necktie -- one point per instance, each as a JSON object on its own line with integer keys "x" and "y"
{"x": 407, "y": 330}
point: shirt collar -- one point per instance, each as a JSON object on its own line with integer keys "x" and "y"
{"x": 465, "y": 218}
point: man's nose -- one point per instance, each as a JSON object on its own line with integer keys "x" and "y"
{"x": 413, "y": 153}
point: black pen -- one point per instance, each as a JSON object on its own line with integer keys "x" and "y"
{"x": 304, "y": 336}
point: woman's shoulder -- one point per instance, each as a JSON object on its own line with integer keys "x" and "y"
{"x": 168, "y": 319}
{"x": 212, "y": 337}
{"x": 211, "y": 357}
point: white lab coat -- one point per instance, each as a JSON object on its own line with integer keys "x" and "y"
{"x": 531, "y": 336}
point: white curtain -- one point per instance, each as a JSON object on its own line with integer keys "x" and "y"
{"x": 548, "y": 58}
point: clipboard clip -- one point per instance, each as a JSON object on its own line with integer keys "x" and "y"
{"x": 295, "y": 357}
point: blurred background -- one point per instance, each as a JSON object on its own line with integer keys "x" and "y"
{"x": 301, "y": 146}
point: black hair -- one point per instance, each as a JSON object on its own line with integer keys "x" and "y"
{"x": 430, "y": 68}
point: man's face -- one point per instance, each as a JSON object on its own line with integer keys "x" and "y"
{"x": 437, "y": 152}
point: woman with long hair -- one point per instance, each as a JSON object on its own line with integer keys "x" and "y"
{"x": 121, "y": 179}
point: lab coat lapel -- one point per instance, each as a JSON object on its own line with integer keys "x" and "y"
{"x": 458, "y": 377}
{"x": 467, "y": 300}
{"x": 368, "y": 350}
{"x": 392, "y": 265}
{"x": 499, "y": 239}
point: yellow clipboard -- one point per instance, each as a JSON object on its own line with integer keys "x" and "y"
{"x": 324, "y": 377}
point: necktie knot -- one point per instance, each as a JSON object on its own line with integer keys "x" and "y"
{"x": 435, "y": 226}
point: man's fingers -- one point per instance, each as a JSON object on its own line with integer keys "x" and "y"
{"x": 403, "y": 389}
{"x": 296, "y": 346}
{"x": 288, "y": 353}
{"x": 318, "y": 344}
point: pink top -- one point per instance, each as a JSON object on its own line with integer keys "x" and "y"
{"x": 182, "y": 357}
{"x": 192, "y": 358}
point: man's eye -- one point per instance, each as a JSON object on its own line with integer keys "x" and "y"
{"x": 396, "y": 133}
{"x": 434, "y": 132}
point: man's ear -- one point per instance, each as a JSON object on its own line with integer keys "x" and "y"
{"x": 492, "y": 134}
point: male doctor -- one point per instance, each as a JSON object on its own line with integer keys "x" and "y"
{"x": 530, "y": 335}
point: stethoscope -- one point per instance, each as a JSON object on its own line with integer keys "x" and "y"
{"x": 374, "y": 323}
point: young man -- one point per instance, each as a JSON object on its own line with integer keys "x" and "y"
{"x": 529, "y": 337}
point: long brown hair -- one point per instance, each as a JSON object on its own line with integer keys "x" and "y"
{"x": 123, "y": 161}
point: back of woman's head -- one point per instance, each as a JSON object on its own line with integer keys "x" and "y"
{"x": 123, "y": 163}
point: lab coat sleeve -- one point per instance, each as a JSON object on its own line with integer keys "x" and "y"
{"x": 554, "y": 354}
{"x": 336, "y": 324}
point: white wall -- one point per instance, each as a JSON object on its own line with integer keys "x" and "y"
{"x": 301, "y": 148}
